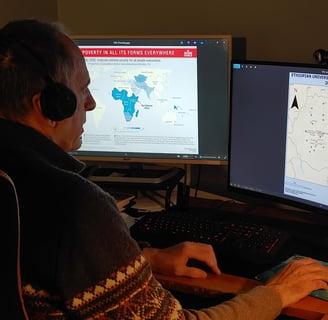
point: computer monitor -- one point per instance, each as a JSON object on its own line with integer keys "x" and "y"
{"x": 160, "y": 99}
{"x": 279, "y": 133}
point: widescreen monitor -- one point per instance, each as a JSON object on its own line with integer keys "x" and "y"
{"x": 279, "y": 133}
{"x": 160, "y": 99}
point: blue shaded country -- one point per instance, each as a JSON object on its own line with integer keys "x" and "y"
{"x": 141, "y": 84}
{"x": 127, "y": 102}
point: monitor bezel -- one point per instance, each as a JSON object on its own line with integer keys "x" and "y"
{"x": 251, "y": 196}
{"x": 98, "y": 157}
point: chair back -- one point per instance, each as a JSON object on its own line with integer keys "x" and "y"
{"x": 11, "y": 300}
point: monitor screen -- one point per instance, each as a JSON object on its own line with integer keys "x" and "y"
{"x": 159, "y": 98}
{"x": 279, "y": 132}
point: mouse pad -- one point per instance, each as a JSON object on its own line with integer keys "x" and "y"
{"x": 266, "y": 275}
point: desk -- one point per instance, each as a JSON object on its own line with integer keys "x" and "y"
{"x": 225, "y": 284}
{"x": 308, "y": 308}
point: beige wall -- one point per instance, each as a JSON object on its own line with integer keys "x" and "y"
{"x": 45, "y": 10}
{"x": 283, "y": 30}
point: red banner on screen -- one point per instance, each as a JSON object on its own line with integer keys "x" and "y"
{"x": 140, "y": 52}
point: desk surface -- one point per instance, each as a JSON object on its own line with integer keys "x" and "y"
{"x": 308, "y": 308}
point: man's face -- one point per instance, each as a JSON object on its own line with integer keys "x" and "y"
{"x": 69, "y": 131}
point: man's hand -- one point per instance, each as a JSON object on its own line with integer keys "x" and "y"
{"x": 173, "y": 260}
{"x": 299, "y": 278}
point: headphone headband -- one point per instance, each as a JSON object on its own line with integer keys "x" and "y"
{"x": 58, "y": 102}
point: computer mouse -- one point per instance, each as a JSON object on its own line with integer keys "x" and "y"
{"x": 199, "y": 264}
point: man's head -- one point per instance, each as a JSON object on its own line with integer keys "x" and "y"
{"x": 41, "y": 69}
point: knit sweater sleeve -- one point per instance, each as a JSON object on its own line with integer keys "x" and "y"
{"x": 260, "y": 303}
{"x": 133, "y": 293}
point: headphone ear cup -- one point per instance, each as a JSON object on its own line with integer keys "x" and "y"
{"x": 58, "y": 102}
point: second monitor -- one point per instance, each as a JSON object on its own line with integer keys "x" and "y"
{"x": 279, "y": 133}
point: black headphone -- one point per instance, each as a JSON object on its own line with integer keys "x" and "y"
{"x": 58, "y": 102}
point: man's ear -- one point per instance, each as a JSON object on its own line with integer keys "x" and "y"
{"x": 36, "y": 102}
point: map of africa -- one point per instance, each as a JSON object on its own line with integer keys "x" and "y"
{"x": 143, "y": 104}
{"x": 307, "y": 137}
{"x": 129, "y": 102}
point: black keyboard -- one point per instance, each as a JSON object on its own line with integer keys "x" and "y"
{"x": 229, "y": 233}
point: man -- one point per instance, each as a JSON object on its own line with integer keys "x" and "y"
{"x": 78, "y": 259}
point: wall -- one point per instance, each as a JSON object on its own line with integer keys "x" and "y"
{"x": 283, "y": 30}
{"x": 45, "y": 10}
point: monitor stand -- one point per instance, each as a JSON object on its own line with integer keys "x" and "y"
{"x": 134, "y": 173}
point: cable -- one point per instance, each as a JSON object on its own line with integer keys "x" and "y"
{"x": 197, "y": 180}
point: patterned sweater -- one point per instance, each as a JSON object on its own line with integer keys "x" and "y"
{"x": 78, "y": 260}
